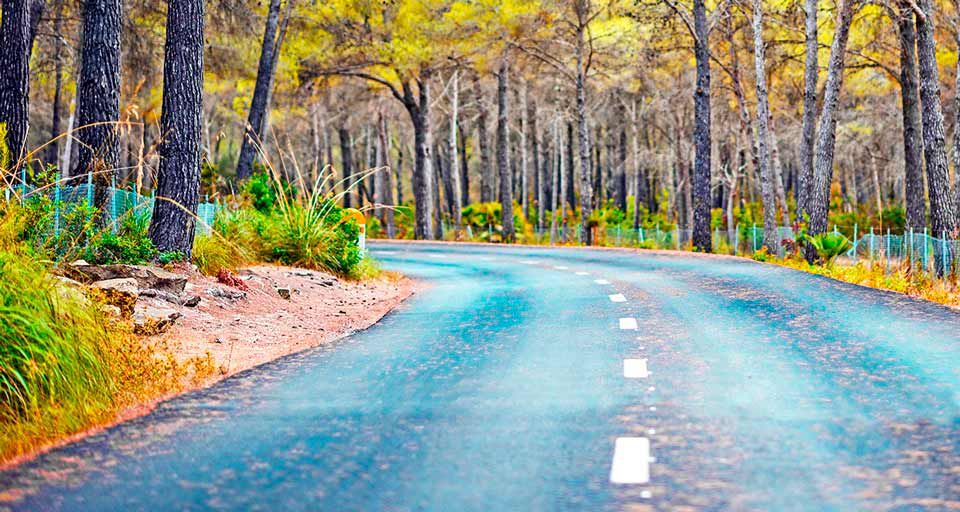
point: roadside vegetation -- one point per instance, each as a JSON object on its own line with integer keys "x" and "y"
{"x": 68, "y": 362}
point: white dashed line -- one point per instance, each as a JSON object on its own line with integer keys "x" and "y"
{"x": 583, "y": 273}
{"x": 560, "y": 267}
{"x": 601, "y": 281}
{"x": 628, "y": 324}
{"x": 635, "y": 369}
{"x": 652, "y": 431}
{"x": 631, "y": 461}
{"x": 618, "y": 297}
{"x": 646, "y": 495}
{"x": 529, "y": 262}
{"x": 438, "y": 256}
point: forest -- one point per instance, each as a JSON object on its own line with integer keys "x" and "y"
{"x": 513, "y": 116}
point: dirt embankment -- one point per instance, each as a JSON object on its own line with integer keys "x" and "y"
{"x": 241, "y": 332}
{"x": 274, "y": 311}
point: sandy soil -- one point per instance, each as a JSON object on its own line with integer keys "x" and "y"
{"x": 243, "y": 333}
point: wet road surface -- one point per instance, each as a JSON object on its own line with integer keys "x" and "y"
{"x": 552, "y": 379}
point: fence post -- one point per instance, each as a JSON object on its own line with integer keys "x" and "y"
{"x": 641, "y": 234}
{"x": 925, "y": 248}
{"x": 677, "y": 230}
{"x": 753, "y": 237}
{"x": 854, "y": 241}
{"x": 89, "y": 188}
{"x": 23, "y": 183}
{"x": 871, "y": 243}
{"x": 945, "y": 261}
{"x": 618, "y": 234}
{"x": 113, "y": 203}
{"x": 56, "y": 205}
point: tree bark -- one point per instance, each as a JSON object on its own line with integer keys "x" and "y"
{"x": 423, "y": 183}
{"x": 385, "y": 190}
{"x": 487, "y": 179}
{"x": 178, "y": 180}
{"x": 53, "y": 150}
{"x": 586, "y": 174}
{"x": 456, "y": 201}
{"x": 810, "y": 71}
{"x": 253, "y": 131}
{"x": 346, "y": 159}
{"x": 98, "y": 95}
{"x": 14, "y": 75}
{"x": 763, "y": 136}
{"x": 912, "y": 130}
{"x": 701, "y": 132}
{"x": 620, "y": 176}
{"x": 818, "y": 202}
{"x": 942, "y": 208}
{"x": 569, "y": 196}
{"x": 503, "y": 164}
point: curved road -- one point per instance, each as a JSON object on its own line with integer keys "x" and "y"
{"x": 552, "y": 379}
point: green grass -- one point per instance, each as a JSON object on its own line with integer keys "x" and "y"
{"x": 65, "y": 366}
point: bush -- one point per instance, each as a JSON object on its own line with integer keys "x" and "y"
{"x": 130, "y": 244}
{"x": 829, "y": 245}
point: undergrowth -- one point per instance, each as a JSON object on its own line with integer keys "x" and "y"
{"x": 65, "y": 366}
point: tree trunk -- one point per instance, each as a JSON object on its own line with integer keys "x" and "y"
{"x": 487, "y": 179}
{"x": 178, "y": 180}
{"x": 763, "y": 135}
{"x": 818, "y": 202}
{"x": 98, "y": 94}
{"x": 811, "y": 70}
{"x": 53, "y": 150}
{"x": 524, "y": 167}
{"x": 942, "y": 208}
{"x": 620, "y": 177}
{"x": 912, "y": 131}
{"x": 456, "y": 201}
{"x": 464, "y": 169}
{"x": 14, "y": 75}
{"x": 423, "y": 182}
{"x": 385, "y": 190}
{"x": 346, "y": 158}
{"x": 503, "y": 165}
{"x": 569, "y": 196}
{"x": 586, "y": 176}
{"x": 253, "y": 131}
{"x": 701, "y": 132}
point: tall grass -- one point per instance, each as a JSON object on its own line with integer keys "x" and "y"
{"x": 293, "y": 221}
{"x": 64, "y": 364}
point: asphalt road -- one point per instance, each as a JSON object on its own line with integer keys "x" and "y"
{"x": 552, "y": 379}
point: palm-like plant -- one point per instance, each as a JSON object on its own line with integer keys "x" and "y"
{"x": 829, "y": 245}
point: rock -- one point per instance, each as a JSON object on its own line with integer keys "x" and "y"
{"x": 184, "y": 299}
{"x": 284, "y": 293}
{"x": 146, "y": 276}
{"x": 122, "y": 293}
{"x": 149, "y": 319}
{"x": 111, "y": 310}
{"x": 225, "y": 293}
{"x": 80, "y": 263}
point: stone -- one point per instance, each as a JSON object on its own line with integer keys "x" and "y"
{"x": 122, "y": 293}
{"x": 225, "y": 293}
{"x": 149, "y": 319}
{"x": 191, "y": 301}
{"x": 284, "y": 293}
{"x": 146, "y": 276}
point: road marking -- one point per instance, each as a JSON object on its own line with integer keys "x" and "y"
{"x": 652, "y": 431}
{"x": 651, "y": 389}
{"x": 583, "y": 273}
{"x": 438, "y": 256}
{"x": 631, "y": 461}
{"x": 628, "y": 324}
{"x": 601, "y": 281}
{"x": 529, "y": 262}
{"x": 618, "y": 297}
{"x": 635, "y": 369}
{"x": 653, "y": 408}
{"x": 646, "y": 495}
{"x": 560, "y": 267}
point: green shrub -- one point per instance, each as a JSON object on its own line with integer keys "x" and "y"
{"x": 829, "y": 245}
{"x": 130, "y": 244}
